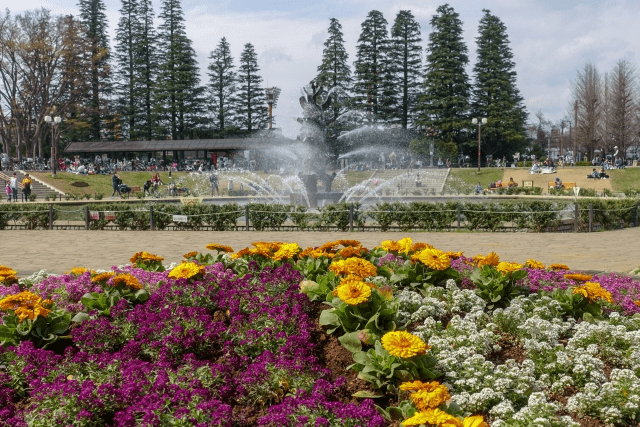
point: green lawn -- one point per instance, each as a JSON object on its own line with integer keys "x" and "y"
{"x": 464, "y": 180}
{"x": 625, "y": 179}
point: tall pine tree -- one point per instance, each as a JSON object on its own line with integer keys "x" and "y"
{"x": 222, "y": 84}
{"x": 495, "y": 95}
{"x": 179, "y": 101}
{"x": 126, "y": 69}
{"x": 444, "y": 103}
{"x": 250, "y": 104}
{"x": 405, "y": 54}
{"x": 369, "y": 65}
{"x": 146, "y": 69}
{"x": 334, "y": 74}
{"x": 95, "y": 21}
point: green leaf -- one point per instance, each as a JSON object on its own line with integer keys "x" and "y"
{"x": 351, "y": 342}
{"x": 80, "y": 317}
{"x": 367, "y": 394}
{"x": 329, "y": 318}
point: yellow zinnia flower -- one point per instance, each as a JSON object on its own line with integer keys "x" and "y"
{"x": 219, "y": 248}
{"x": 433, "y": 258}
{"x": 286, "y": 251}
{"x": 593, "y": 291}
{"x": 77, "y": 271}
{"x": 127, "y": 280}
{"x": 508, "y": 267}
{"x": 403, "y": 344}
{"x": 557, "y": 267}
{"x": 430, "y": 416}
{"x": 474, "y": 421}
{"x": 353, "y": 292}
{"x": 354, "y": 267}
{"x": 186, "y": 270}
{"x": 536, "y": 265}
{"x": 578, "y": 277}
{"x": 401, "y": 246}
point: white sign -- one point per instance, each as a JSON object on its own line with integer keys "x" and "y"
{"x": 180, "y": 218}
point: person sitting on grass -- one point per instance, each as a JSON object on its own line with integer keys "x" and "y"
{"x": 512, "y": 183}
{"x": 478, "y": 189}
{"x": 595, "y": 174}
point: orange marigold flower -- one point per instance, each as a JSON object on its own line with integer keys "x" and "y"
{"x": 329, "y": 246}
{"x": 433, "y": 258}
{"x": 453, "y": 255}
{"x": 403, "y": 344}
{"x": 306, "y": 252}
{"x": 557, "y": 267}
{"x": 431, "y": 397}
{"x": 350, "y": 251}
{"x": 103, "y": 277}
{"x": 190, "y": 254}
{"x": 144, "y": 256}
{"x": 637, "y": 302}
{"x": 536, "y": 265}
{"x": 491, "y": 260}
{"x": 418, "y": 246}
{"x": 126, "y": 280}
{"x": 578, "y": 277}
{"x": 77, "y": 271}
{"x": 26, "y": 305}
{"x": 347, "y": 242}
{"x": 354, "y": 267}
{"x": 241, "y": 253}
{"x": 219, "y": 248}
{"x": 386, "y": 292}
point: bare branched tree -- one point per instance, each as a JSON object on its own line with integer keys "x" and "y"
{"x": 587, "y": 91}
{"x": 42, "y": 62}
{"x": 621, "y": 120}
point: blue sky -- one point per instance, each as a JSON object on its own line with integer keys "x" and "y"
{"x": 551, "y": 40}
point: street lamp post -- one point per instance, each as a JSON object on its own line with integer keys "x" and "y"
{"x": 54, "y": 142}
{"x": 476, "y": 122}
{"x": 431, "y": 132}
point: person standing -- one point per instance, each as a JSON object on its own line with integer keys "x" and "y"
{"x": 14, "y": 187}
{"x": 26, "y": 187}
{"x": 115, "y": 182}
{"x": 8, "y": 189}
{"x": 213, "y": 179}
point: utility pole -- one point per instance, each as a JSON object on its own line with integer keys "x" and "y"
{"x": 575, "y": 120}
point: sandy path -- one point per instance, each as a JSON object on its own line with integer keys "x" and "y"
{"x": 59, "y": 250}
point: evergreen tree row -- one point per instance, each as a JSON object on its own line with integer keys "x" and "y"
{"x": 154, "y": 90}
{"x": 391, "y": 84}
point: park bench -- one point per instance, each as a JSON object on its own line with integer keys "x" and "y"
{"x": 565, "y": 185}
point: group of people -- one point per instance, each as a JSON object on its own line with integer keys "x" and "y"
{"x": 498, "y": 184}
{"x": 11, "y": 188}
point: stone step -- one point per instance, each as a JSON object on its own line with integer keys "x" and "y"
{"x": 39, "y": 188}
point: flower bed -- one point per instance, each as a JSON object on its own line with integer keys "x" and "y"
{"x": 337, "y": 335}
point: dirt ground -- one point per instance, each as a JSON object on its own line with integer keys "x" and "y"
{"x": 57, "y": 251}
{"x": 567, "y": 174}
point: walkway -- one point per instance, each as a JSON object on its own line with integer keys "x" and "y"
{"x": 58, "y": 250}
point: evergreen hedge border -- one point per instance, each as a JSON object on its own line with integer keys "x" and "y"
{"x": 530, "y": 215}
